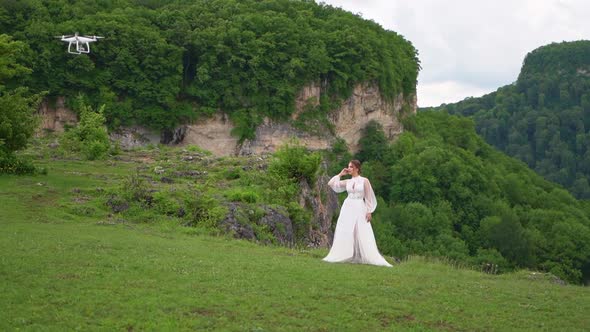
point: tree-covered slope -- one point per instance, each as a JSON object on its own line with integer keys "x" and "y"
{"x": 445, "y": 192}
{"x": 162, "y": 62}
{"x": 544, "y": 118}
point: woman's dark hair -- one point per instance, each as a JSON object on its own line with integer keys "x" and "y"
{"x": 357, "y": 164}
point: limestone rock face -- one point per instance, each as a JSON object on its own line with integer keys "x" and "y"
{"x": 136, "y": 136}
{"x": 54, "y": 118}
{"x": 364, "y": 105}
{"x": 323, "y": 202}
{"x": 237, "y": 223}
{"x": 212, "y": 134}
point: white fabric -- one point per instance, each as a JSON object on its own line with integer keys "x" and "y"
{"x": 354, "y": 241}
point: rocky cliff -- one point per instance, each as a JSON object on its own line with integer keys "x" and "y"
{"x": 365, "y": 104}
{"x": 55, "y": 116}
{"x": 214, "y": 134}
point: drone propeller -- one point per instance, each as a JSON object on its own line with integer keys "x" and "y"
{"x": 97, "y": 37}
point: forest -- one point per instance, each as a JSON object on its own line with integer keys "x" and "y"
{"x": 162, "y": 63}
{"x": 543, "y": 118}
{"x": 444, "y": 192}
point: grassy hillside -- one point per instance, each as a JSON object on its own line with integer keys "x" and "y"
{"x": 64, "y": 269}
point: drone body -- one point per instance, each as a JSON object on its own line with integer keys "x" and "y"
{"x": 79, "y": 44}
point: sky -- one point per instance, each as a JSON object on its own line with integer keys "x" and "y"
{"x": 468, "y": 48}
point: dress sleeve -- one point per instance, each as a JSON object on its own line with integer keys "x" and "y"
{"x": 337, "y": 185}
{"x": 370, "y": 199}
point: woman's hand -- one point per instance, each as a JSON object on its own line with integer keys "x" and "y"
{"x": 369, "y": 216}
{"x": 343, "y": 172}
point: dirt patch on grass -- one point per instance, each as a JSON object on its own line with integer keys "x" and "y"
{"x": 68, "y": 276}
{"x": 405, "y": 318}
{"x": 442, "y": 325}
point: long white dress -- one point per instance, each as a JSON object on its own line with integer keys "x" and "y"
{"x": 354, "y": 241}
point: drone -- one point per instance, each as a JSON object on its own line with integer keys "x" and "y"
{"x": 82, "y": 43}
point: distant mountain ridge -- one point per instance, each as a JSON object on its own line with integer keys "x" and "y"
{"x": 543, "y": 118}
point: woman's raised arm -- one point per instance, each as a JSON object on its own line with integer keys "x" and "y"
{"x": 337, "y": 185}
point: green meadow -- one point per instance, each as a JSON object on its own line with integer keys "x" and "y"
{"x": 68, "y": 263}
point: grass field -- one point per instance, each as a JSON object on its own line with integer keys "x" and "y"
{"x": 62, "y": 269}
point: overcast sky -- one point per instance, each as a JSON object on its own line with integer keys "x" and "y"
{"x": 473, "y": 47}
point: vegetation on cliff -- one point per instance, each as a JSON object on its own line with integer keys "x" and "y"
{"x": 544, "y": 118}
{"x": 163, "y": 62}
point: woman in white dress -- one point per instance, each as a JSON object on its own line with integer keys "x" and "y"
{"x": 354, "y": 241}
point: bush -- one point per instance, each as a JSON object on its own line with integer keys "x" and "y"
{"x": 90, "y": 136}
{"x": 294, "y": 162}
{"x": 136, "y": 189}
{"x": 300, "y": 218}
{"x": 242, "y": 195}
{"x": 11, "y": 164}
{"x": 204, "y": 211}
{"x": 164, "y": 203}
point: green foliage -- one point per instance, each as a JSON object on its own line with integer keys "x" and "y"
{"x": 164, "y": 62}
{"x": 165, "y": 203}
{"x": 314, "y": 118}
{"x": 544, "y": 118}
{"x": 447, "y": 193}
{"x": 243, "y": 195}
{"x": 17, "y": 107}
{"x": 337, "y": 156}
{"x": 204, "y": 211}
{"x": 90, "y": 136}
{"x": 301, "y": 218}
{"x": 372, "y": 142}
{"x": 17, "y": 119}
{"x": 293, "y": 161}
{"x": 135, "y": 188}
{"x": 11, "y": 164}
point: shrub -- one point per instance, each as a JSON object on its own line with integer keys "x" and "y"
{"x": 293, "y": 161}
{"x": 89, "y": 137}
{"x": 136, "y": 189}
{"x": 11, "y": 164}
{"x": 204, "y": 211}
{"x": 164, "y": 203}
{"x": 243, "y": 195}
{"x": 300, "y": 218}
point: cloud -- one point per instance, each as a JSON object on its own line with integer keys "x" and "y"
{"x": 430, "y": 94}
{"x": 477, "y": 45}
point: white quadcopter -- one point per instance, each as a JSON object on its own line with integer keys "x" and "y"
{"x": 82, "y": 43}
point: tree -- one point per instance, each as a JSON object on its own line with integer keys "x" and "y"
{"x": 17, "y": 107}
{"x": 373, "y": 142}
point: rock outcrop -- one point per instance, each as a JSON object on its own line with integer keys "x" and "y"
{"x": 323, "y": 202}
{"x": 243, "y": 222}
{"x": 364, "y": 105}
{"x": 55, "y": 116}
{"x": 214, "y": 134}
{"x": 240, "y": 223}
{"x": 135, "y": 136}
